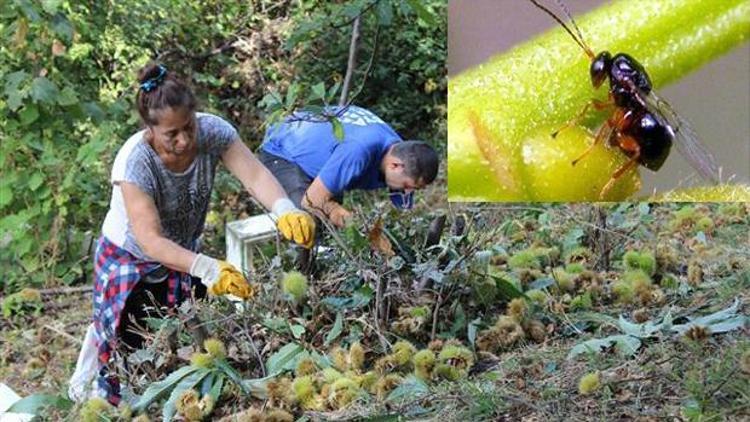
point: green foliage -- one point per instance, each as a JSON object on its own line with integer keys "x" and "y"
{"x": 537, "y": 296}
{"x": 635, "y": 260}
{"x": 565, "y": 279}
{"x": 96, "y": 409}
{"x": 51, "y": 121}
{"x": 717, "y": 371}
{"x": 406, "y": 82}
{"x": 285, "y": 358}
{"x": 208, "y": 373}
{"x": 533, "y": 258}
{"x": 35, "y": 403}
{"x": 27, "y": 301}
{"x": 581, "y": 302}
{"x": 67, "y": 83}
{"x": 638, "y": 279}
{"x": 524, "y": 259}
{"x": 578, "y": 254}
{"x": 723, "y": 321}
{"x": 624, "y": 291}
{"x": 684, "y": 218}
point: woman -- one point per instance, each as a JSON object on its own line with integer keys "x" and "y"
{"x": 162, "y": 179}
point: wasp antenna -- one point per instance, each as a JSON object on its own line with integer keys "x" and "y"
{"x": 575, "y": 25}
{"x": 578, "y": 39}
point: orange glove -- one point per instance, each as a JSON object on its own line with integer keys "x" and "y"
{"x": 297, "y": 226}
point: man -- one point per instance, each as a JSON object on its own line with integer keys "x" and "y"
{"x": 316, "y": 169}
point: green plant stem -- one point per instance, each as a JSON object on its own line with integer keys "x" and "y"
{"x": 722, "y": 193}
{"x": 545, "y": 81}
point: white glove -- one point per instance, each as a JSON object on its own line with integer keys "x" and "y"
{"x": 205, "y": 268}
{"x": 282, "y": 206}
{"x": 221, "y": 277}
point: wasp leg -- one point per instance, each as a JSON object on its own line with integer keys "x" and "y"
{"x": 630, "y": 146}
{"x": 603, "y": 132}
{"x": 598, "y": 105}
{"x": 609, "y": 130}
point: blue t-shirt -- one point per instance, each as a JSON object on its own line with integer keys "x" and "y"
{"x": 351, "y": 163}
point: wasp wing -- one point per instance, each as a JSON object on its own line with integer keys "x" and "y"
{"x": 685, "y": 139}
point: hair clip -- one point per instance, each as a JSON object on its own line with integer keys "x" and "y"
{"x": 150, "y": 84}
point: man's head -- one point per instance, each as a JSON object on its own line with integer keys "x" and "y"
{"x": 410, "y": 165}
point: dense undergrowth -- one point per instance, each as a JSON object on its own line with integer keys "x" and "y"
{"x": 572, "y": 312}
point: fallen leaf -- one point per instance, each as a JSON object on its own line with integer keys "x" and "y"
{"x": 623, "y": 395}
{"x": 378, "y": 241}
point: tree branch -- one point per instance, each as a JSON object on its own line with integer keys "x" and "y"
{"x": 352, "y": 62}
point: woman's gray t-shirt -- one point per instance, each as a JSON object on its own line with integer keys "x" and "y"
{"x": 181, "y": 199}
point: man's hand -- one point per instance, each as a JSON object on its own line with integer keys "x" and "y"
{"x": 319, "y": 200}
{"x": 221, "y": 277}
{"x": 339, "y": 216}
{"x": 298, "y": 226}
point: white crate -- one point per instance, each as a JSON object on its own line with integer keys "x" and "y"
{"x": 242, "y": 235}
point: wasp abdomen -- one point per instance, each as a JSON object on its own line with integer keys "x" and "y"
{"x": 655, "y": 138}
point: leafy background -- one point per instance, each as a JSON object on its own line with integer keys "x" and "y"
{"x": 67, "y": 84}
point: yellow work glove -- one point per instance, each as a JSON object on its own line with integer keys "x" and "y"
{"x": 294, "y": 224}
{"x": 221, "y": 277}
{"x": 297, "y": 226}
{"x": 233, "y": 282}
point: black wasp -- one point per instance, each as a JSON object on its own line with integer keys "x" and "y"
{"x": 642, "y": 125}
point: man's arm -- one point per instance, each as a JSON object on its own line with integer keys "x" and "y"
{"x": 346, "y": 164}
{"x": 319, "y": 200}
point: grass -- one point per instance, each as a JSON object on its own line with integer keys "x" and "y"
{"x": 39, "y": 354}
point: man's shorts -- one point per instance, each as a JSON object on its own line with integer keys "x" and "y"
{"x": 291, "y": 177}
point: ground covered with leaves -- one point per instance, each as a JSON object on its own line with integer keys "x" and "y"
{"x": 614, "y": 312}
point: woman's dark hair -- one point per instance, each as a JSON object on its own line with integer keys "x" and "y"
{"x": 420, "y": 159}
{"x": 159, "y": 89}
